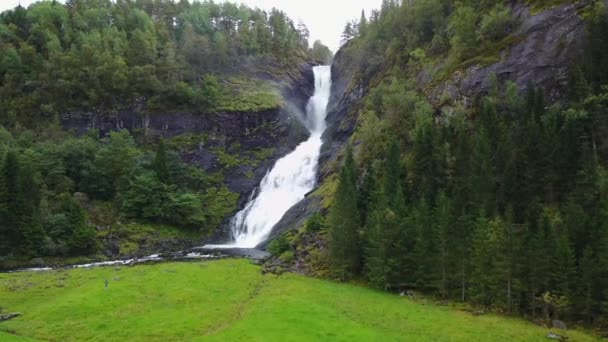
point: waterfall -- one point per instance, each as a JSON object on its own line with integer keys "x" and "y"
{"x": 292, "y": 176}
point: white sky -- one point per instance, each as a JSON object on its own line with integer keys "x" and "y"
{"x": 325, "y": 18}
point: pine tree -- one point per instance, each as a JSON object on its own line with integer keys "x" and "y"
{"x": 602, "y": 265}
{"x": 482, "y": 175}
{"x": 160, "y": 162}
{"x": 393, "y": 188}
{"x": 380, "y": 262}
{"x": 344, "y": 223}
{"x": 368, "y": 192}
{"x": 587, "y": 270}
{"x": 563, "y": 268}
{"x": 362, "y": 25}
{"x": 538, "y": 265}
{"x": 487, "y": 276}
{"x": 425, "y": 251}
{"x": 12, "y": 203}
{"x": 19, "y": 213}
{"x": 443, "y": 222}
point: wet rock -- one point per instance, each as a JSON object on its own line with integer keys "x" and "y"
{"x": 553, "y": 336}
{"x": 250, "y": 253}
{"x": 7, "y": 316}
{"x": 277, "y": 130}
{"x": 294, "y": 218}
{"x": 274, "y": 266}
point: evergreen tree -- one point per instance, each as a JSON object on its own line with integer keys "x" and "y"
{"x": 12, "y": 202}
{"x": 584, "y": 303}
{"x": 443, "y": 222}
{"x": 486, "y": 261}
{"x": 482, "y": 175}
{"x": 160, "y": 162}
{"x": 344, "y": 223}
{"x": 368, "y": 192}
{"x": 393, "y": 188}
{"x": 426, "y": 250}
{"x": 362, "y": 28}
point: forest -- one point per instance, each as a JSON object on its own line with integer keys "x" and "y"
{"x": 502, "y": 204}
{"x": 103, "y": 56}
{"x": 106, "y": 55}
{"x": 50, "y": 188}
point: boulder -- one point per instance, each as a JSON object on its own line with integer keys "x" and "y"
{"x": 553, "y": 336}
{"x": 7, "y": 316}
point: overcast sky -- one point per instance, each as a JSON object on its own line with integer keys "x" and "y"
{"x": 325, "y": 18}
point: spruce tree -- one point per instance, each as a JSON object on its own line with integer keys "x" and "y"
{"x": 443, "y": 222}
{"x": 160, "y": 162}
{"x": 362, "y": 24}
{"x": 368, "y": 192}
{"x": 379, "y": 259}
{"x": 563, "y": 267}
{"x": 393, "y": 188}
{"x": 344, "y": 223}
{"x": 584, "y": 303}
{"x": 12, "y": 202}
{"x": 425, "y": 251}
{"x": 487, "y": 276}
{"x": 538, "y": 265}
{"x": 482, "y": 175}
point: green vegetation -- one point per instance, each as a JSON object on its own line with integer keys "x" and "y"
{"x": 56, "y": 57}
{"x": 500, "y": 202}
{"x": 54, "y": 192}
{"x": 230, "y": 300}
{"x": 248, "y": 95}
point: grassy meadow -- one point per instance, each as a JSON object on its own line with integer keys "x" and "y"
{"x": 229, "y": 300}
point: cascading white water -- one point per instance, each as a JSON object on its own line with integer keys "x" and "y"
{"x": 292, "y": 177}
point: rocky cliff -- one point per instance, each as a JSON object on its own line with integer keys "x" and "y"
{"x": 544, "y": 45}
{"x": 240, "y": 146}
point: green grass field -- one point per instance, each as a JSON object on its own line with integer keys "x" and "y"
{"x": 229, "y": 300}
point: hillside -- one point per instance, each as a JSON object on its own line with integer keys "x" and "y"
{"x": 466, "y": 158}
{"x": 104, "y": 103}
{"x": 230, "y": 300}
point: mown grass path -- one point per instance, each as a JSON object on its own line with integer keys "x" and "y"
{"x": 229, "y": 300}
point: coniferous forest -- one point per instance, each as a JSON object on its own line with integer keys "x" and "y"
{"x": 501, "y": 204}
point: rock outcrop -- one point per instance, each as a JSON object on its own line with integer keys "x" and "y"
{"x": 341, "y": 119}
{"x": 275, "y": 131}
{"x": 545, "y": 44}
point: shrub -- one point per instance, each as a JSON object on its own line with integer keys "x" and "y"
{"x": 279, "y": 246}
{"x": 495, "y": 24}
{"x": 315, "y": 223}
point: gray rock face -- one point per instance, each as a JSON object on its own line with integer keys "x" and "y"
{"x": 276, "y": 130}
{"x": 341, "y": 120}
{"x": 544, "y": 47}
{"x": 546, "y": 44}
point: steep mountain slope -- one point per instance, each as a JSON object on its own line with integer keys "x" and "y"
{"x": 134, "y": 126}
{"x": 542, "y": 49}
{"x": 476, "y": 161}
